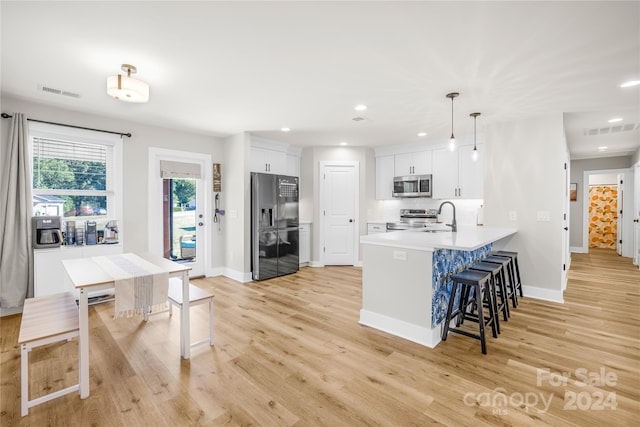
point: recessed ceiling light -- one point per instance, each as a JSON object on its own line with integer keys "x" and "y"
{"x": 343, "y": 143}
{"x": 630, "y": 83}
{"x": 360, "y": 107}
{"x": 422, "y": 134}
{"x": 615, "y": 120}
{"x": 602, "y": 148}
{"x": 285, "y": 129}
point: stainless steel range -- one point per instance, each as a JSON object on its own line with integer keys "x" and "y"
{"x": 413, "y": 218}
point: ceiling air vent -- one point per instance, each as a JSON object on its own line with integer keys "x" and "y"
{"x": 358, "y": 119}
{"x": 54, "y": 91}
{"x": 612, "y": 129}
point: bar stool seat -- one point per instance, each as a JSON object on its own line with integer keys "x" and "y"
{"x": 515, "y": 266}
{"x": 507, "y": 276}
{"x": 500, "y": 289}
{"x": 476, "y": 283}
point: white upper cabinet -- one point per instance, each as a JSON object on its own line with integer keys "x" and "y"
{"x": 470, "y": 174}
{"x": 268, "y": 161}
{"x": 293, "y": 165}
{"x": 418, "y": 163}
{"x": 456, "y": 175}
{"x": 384, "y": 177}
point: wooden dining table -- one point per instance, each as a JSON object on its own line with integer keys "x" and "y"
{"x": 87, "y": 275}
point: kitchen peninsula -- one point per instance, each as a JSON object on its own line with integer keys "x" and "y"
{"x": 406, "y": 276}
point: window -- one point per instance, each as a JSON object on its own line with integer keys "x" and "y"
{"x": 74, "y": 173}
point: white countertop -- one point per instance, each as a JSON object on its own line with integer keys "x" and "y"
{"x": 467, "y": 238}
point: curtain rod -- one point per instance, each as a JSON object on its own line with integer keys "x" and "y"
{"x": 6, "y": 116}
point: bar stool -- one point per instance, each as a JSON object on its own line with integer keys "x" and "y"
{"x": 514, "y": 264}
{"x": 505, "y": 262}
{"x": 476, "y": 283}
{"x": 500, "y": 289}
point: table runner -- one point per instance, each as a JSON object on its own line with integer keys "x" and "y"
{"x": 140, "y": 285}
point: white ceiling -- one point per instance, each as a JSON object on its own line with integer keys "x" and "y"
{"x": 221, "y": 68}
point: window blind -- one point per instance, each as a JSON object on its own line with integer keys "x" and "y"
{"x": 170, "y": 170}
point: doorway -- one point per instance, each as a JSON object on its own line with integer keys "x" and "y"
{"x": 601, "y": 187}
{"x": 179, "y": 204}
{"x": 339, "y": 214}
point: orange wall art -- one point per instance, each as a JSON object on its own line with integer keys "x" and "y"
{"x": 603, "y": 216}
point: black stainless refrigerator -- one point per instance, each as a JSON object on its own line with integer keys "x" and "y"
{"x": 274, "y": 225}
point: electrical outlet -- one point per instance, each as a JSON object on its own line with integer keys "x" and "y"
{"x": 400, "y": 255}
{"x": 513, "y": 216}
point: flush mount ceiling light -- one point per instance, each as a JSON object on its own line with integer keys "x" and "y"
{"x": 452, "y": 139}
{"x": 285, "y": 129}
{"x": 360, "y": 107}
{"x": 615, "y": 120}
{"x": 603, "y": 148}
{"x": 422, "y": 134}
{"x": 474, "y": 153}
{"x": 126, "y": 88}
{"x": 343, "y": 143}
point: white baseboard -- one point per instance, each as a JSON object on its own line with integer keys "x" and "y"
{"x": 358, "y": 263}
{"x": 418, "y": 334}
{"x": 316, "y": 264}
{"x": 236, "y": 275}
{"x": 543, "y": 294}
{"x": 578, "y": 249}
{"x": 217, "y": 271}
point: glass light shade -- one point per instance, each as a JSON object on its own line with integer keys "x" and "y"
{"x": 127, "y": 89}
{"x": 474, "y": 154}
{"x": 452, "y": 143}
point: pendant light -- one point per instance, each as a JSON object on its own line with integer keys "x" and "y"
{"x": 452, "y": 139}
{"x": 474, "y": 153}
{"x": 126, "y": 88}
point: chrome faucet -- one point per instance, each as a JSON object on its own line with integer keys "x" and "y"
{"x": 453, "y": 225}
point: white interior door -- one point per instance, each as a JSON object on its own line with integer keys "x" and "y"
{"x": 339, "y": 212}
{"x": 566, "y": 255}
{"x": 620, "y": 214}
{"x": 636, "y": 215}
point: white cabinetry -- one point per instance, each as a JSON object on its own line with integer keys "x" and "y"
{"x": 418, "y": 163}
{"x": 268, "y": 161}
{"x": 49, "y": 276}
{"x": 304, "y": 254}
{"x": 376, "y": 227}
{"x": 293, "y": 165}
{"x": 456, "y": 175}
{"x": 384, "y": 177}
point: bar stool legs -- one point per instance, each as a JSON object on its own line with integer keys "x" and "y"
{"x": 515, "y": 267}
{"x": 476, "y": 283}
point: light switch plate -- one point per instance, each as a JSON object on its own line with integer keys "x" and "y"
{"x": 513, "y": 216}
{"x": 543, "y": 216}
{"x": 400, "y": 255}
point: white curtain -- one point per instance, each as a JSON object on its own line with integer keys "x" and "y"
{"x": 16, "y": 255}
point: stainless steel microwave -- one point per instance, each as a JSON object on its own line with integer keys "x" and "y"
{"x": 412, "y": 186}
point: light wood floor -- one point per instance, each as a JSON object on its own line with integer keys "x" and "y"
{"x": 290, "y": 351}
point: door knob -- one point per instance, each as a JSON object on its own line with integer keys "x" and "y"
{"x": 201, "y": 224}
{"x": 350, "y": 220}
{"x": 566, "y": 228}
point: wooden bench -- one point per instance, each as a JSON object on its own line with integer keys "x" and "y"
{"x": 45, "y": 320}
{"x": 196, "y": 296}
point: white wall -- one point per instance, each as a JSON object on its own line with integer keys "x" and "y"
{"x": 135, "y": 159}
{"x": 237, "y": 204}
{"x": 524, "y": 173}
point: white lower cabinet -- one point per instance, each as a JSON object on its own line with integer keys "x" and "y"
{"x": 304, "y": 255}
{"x": 49, "y": 276}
